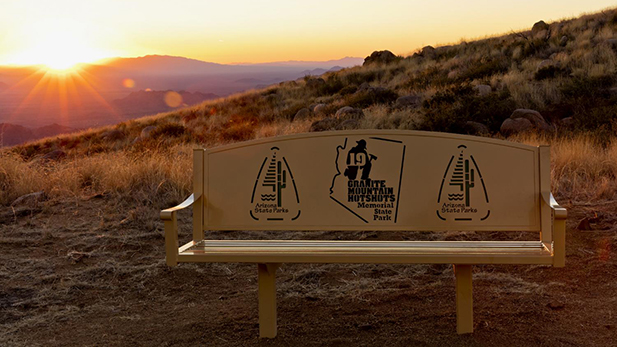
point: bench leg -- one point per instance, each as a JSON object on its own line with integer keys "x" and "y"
{"x": 267, "y": 299}
{"x": 464, "y": 300}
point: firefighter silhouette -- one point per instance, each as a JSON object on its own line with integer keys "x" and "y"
{"x": 358, "y": 158}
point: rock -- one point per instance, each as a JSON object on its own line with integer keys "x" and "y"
{"x": 556, "y": 305}
{"x": 539, "y": 27}
{"x": 30, "y": 199}
{"x": 315, "y": 83}
{"x": 563, "y": 41}
{"x": 349, "y": 124}
{"x": 612, "y": 42}
{"x": 364, "y": 87}
{"x": 476, "y": 128}
{"x": 408, "y": 101}
{"x": 54, "y": 155}
{"x": 515, "y": 126}
{"x": 319, "y": 108}
{"x": 324, "y": 125}
{"x": 534, "y": 117}
{"x": 567, "y": 122}
{"x": 113, "y": 135}
{"x": 547, "y": 63}
{"x": 147, "y": 132}
{"x": 349, "y": 112}
{"x": 428, "y": 52}
{"x": 584, "y": 224}
{"x": 380, "y": 57}
{"x": 303, "y": 113}
{"x": 483, "y": 89}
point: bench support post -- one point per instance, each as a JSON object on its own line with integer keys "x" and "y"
{"x": 267, "y": 299}
{"x": 171, "y": 240}
{"x": 464, "y": 300}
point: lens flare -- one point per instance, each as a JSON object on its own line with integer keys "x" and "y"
{"x": 173, "y": 99}
{"x": 128, "y": 83}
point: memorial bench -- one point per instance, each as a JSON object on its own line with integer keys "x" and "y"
{"x": 371, "y": 180}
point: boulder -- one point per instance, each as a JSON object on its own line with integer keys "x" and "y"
{"x": 349, "y": 124}
{"x": 408, "y": 101}
{"x": 567, "y": 122}
{"x": 380, "y": 57}
{"x": 147, "y": 132}
{"x": 483, "y": 89}
{"x": 533, "y": 116}
{"x": 475, "y": 128}
{"x": 114, "y": 135}
{"x": 319, "y": 108}
{"x": 546, "y": 63}
{"x": 349, "y": 112}
{"x": 324, "y": 125}
{"x": 303, "y": 113}
{"x": 612, "y": 42}
{"x": 29, "y": 199}
{"x": 54, "y": 155}
{"x": 515, "y": 126}
{"x": 563, "y": 41}
{"x": 428, "y": 52}
{"x": 539, "y": 28}
{"x": 364, "y": 87}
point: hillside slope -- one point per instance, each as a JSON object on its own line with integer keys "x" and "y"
{"x": 565, "y": 72}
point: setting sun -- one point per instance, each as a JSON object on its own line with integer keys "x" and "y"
{"x": 59, "y": 46}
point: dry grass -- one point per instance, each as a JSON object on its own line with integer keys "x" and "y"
{"x": 152, "y": 176}
{"x": 582, "y": 168}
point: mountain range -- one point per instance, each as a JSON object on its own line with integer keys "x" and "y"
{"x": 113, "y": 90}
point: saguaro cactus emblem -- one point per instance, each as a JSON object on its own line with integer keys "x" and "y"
{"x": 455, "y": 201}
{"x": 271, "y": 200}
{"x": 463, "y": 177}
{"x": 276, "y": 178}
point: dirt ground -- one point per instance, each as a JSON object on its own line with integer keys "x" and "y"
{"x": 92, "y": 273}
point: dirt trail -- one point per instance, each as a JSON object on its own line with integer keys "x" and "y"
{"x": 81, "y": 273}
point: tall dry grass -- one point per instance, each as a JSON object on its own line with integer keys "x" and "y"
{"x": 155, "y": 177}
{"x": 582, "y": 167}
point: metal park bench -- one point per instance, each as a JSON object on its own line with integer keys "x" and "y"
{"x": 371, "y": 180}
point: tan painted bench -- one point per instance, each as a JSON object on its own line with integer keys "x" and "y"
{"x": 371, "y": 180}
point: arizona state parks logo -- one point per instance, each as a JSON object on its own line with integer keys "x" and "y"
{"x": 275, "y": 196}
{"x": 368, "y": 177}
{"x": 462, "y": 195}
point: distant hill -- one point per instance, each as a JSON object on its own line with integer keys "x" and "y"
{"x": 166, "y": 65}
{"x": 151, "y": 102}
{"x": 90, "y": 101}
{"x": 12, "y": 134}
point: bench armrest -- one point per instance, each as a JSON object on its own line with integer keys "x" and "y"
{"x": 560, "y": 212}
{"x": 167, "y": 214}
{"x": 559, "y": 230}
{"x": 169, "y": 217}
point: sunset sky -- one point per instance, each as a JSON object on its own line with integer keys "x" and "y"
{"x": 60, "y": 33}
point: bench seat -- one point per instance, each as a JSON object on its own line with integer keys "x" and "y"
{"x": 314, "y": 251}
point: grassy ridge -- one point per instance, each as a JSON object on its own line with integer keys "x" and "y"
{"x": 564, "y": 70}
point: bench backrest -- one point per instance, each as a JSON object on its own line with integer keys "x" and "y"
{"x": 372, "y": 180}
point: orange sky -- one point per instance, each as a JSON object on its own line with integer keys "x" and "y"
{"x": 60, "y": 33}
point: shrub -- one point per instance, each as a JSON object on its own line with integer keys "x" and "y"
{"x": 371, "y": 96}
{"x": 449, "y": 110}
